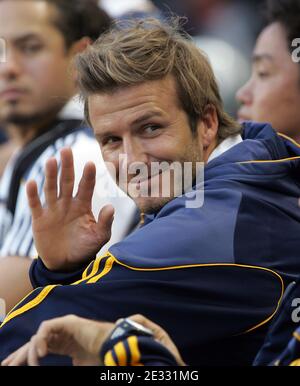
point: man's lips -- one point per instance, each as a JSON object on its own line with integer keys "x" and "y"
{"x": 243, "y": 117}
{"x": 12, "y": 93}
{"x": 145, "y": 180}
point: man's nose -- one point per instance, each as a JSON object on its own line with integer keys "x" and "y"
{"x": 244, "y": 94}
{"x": 11, "y": 67}
{"x": 135, "y": 151}
{"x": 134, "y": 158}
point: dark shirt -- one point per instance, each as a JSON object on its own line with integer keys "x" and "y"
{"x": 3, "y": 136}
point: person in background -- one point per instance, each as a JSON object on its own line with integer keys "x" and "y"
{"x": 7, "y": 147}
{"x": 40, "y": 111}
{"x": 272, "y": 94}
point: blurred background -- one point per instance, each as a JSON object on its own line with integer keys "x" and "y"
{"x": 225, "y": 29}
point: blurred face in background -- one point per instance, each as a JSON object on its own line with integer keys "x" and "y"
{"x": 272, "y": 94}
{"x": 35, "y": 80}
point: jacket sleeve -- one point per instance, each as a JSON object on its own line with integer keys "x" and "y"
{"x": 41, "y": 276}
{"x": 134, "y": 350}
{"x": 281, "y": 342}
{"x": 291, "y": 354}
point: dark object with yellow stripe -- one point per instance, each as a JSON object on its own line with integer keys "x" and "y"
{"x": 132, "y": 350}
{"x": 212, "y": 276}
{"x": 282, "y": 343}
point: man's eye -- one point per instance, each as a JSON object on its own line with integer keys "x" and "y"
{"x": 31, "y": 48}
{"x": 110, "y": 140}
{"x": 262, "y": 74}
{"x": 151, "y": 129}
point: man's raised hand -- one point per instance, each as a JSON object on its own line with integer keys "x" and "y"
{"x": 65, "y": 231}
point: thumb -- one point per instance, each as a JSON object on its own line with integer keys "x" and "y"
{"x": 104, "y": 224}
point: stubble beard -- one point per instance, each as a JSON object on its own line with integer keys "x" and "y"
{"x": 24, "y": 122}
{"x": 150, "y": 205}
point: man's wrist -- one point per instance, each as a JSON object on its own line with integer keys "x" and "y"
{"x": 41, "y": 276}
{"x": 65, "y": 267}
{"x": 122, "y": 330}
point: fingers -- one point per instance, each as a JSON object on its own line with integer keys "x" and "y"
{"x": 155, "y": 328}
{"x": 50, "y": 187}
{"x": 32, "y": 358}
{"x": 33, "y": 199}
{"x": 41, "y": 345}
{"x": 49, "y": 338}
{"x": 17, "y": 358}
{"x": 51, "y": 334}
{"x": 67, "y": 173}
{"x": 26, "y": 354}
{"x": 104, "y": 224}
{"x": 87, "y": 183}
{"x": 160, "y": 335}
{"x": 66, "y": 185}
{"x": 158, "y": 332}
{"x": 42, "y": 338}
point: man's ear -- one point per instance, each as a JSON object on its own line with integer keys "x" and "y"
{"x": 207, "y": 127}
{"x": 76, "y": 48}
{"x": 79, "y": 45}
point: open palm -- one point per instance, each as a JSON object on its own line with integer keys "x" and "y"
{"x": 65, "y": 232}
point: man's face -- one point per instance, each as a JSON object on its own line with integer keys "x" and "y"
{"x": 272, "y": 94}
{"x": 146, "y": 124}
{"x": 34, "y": 80}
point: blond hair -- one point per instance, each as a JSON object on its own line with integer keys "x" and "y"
{"x": 146, "y": 50}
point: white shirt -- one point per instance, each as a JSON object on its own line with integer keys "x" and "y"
{"x": 225, "y": 145}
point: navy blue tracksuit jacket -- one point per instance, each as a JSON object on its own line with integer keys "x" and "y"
{"x": 212, "y": 277}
